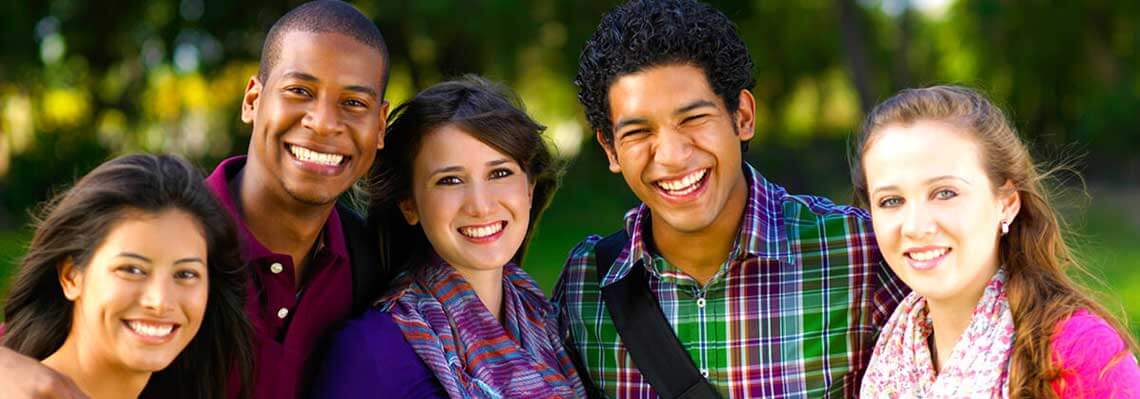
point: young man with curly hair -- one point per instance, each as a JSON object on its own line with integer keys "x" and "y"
{"x": 760, "y": 292}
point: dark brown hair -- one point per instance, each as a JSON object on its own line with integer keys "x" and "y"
{"x": 1034, "y": 252}
{"x": 72, "y": 227}
{"x": 490, "y": 113}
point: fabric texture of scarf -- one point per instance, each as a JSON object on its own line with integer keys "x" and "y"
{"x": 978, "y": 367}
{"x": 474, "y": 355}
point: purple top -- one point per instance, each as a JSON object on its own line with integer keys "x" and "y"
{"x": 1094, "y": 360}
{"x": 370, "y": 356}
{"x": 288, "y": 323}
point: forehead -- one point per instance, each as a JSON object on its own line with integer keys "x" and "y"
{"x": 329, "y": 57}
{"x": 167, "y": 232}
{"x": 452, "y": 145}
{"x": 910, "y": 154}
{"x": 660, "y": 89}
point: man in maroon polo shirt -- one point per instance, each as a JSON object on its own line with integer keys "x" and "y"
{"x": 318, "y": 115}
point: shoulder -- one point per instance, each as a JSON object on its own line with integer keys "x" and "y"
{"x": 811, "y": 209}
{"x": 1094, "y": 359}
{"x": 579, "y": 269}
{"x": 369, "y": 354}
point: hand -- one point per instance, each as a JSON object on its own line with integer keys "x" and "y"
{"x": 22, "y": 377}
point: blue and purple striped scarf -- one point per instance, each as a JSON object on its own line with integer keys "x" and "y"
{"x": 474, "y": 355}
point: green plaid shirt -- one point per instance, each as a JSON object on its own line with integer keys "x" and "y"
{"x": 793, "y": 312}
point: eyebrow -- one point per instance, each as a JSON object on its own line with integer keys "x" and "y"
{"x": 683, "y": 109}
{"x": 132, "y": 255}
{"x": 457, "y": 168}
{"x": 928, "y": 181}
{"x": 310, "y": 78}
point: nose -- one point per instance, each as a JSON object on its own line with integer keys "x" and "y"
{"x": 917, "y": 221}
{"x": 673, "y": 148}
{"x": 477, "y": 200}
{"x": 157, "y": 295}
{"x": 323, "y": 117}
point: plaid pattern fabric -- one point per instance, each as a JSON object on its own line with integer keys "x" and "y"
{"x": 793, "y": 313}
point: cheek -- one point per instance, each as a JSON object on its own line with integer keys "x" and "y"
{"x": 886, "y": 228}
{"x": 194, "y": 300}
{"x": 437, "y": 208}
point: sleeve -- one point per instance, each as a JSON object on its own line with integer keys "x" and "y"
{"x": 1095, "y": 362}
{"x": 370, "y": 355}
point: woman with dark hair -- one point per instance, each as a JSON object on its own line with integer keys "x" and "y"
{"x": 961, "y": 215}
{"x": 462, "y": 179}
{"x": 132, "y": 285}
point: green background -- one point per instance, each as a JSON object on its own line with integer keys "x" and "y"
{"x": 83, "y": 81}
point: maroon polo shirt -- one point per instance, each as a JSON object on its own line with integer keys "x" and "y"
{"x": 288, "y": 319}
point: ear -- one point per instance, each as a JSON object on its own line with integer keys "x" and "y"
{"x": 1010, "y": 200}
{"x": 383, "y": 125}
{"x": 70, "y": 279}
{"x": 408, "y": 208}
{"x": 609, "y": 149}
{"x": 249, "y": 100}
{"x": 746, "y": 116}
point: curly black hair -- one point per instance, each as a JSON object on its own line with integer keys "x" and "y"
{"x": 642, "y": 34}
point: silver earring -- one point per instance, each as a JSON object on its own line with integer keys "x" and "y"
{"x": 1004, "y": 227}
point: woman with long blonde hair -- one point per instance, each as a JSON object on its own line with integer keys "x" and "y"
{"x": 961, "y": 215}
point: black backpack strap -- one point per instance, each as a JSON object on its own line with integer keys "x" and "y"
{"x": 644, "y": 331}
{"x": 364, "y": 257}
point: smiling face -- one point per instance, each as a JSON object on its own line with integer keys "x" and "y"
{"x": 472, "y": 201}
{"x": 677, "y": 146}
{"x": 142, "y": 296}
{"x": 936, "y": 214}
{"x": 318, "y": 119}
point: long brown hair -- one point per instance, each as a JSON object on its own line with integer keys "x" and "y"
{"x": 74, "y": 224}
{"x": 1034, "y": 252}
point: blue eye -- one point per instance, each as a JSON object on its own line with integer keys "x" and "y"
{"x": 945, "y": 194}
{"x": 890, "y": 202}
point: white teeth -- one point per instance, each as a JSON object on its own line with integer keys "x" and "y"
{"x": 150, "y": 330}
{"x": 308, "y": 155}
{"x": 480, "y": 232}
{"x": 928, "y": 255}
{"x": 683, "y": 185}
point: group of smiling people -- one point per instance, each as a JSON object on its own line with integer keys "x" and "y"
{"x": 147, "y": 279}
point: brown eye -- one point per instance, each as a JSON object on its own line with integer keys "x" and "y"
{"x": 448, "y": 181}
{"x": 501, "y": 173}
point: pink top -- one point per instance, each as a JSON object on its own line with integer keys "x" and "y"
{"x": 1094, "y": 360}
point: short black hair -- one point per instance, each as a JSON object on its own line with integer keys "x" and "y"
{"x": 323, "y": 16}
{"x": 642, "y": 34}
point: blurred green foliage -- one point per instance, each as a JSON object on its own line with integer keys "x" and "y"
{"x": 84, "y": 80}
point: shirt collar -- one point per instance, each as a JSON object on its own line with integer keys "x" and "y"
{"x": 761, "y": 234}
{"x": 218, "y": 183}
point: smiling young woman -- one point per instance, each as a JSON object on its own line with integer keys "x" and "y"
{"x": 463, "y": 177}
{"x": 132, "y": 285}
{"x": 961, "y": 215}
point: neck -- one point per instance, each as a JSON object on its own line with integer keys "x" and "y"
{"x": 949, "y": 319}
{"x": 701, "y": 253}
{"x": 95, "y": 376}
{"x": 488, "y": 286}
{"x": 282, "y": 224}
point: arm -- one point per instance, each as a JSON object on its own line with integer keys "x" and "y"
{"x": 23, "y": 377}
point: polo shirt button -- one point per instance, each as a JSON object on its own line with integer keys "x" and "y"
{"x": 705, "y": 373}
{"x": 281, "y": 313}
{"x": 276, "y": 268}
{"x": 701, "y": 303}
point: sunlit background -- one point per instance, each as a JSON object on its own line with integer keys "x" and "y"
{"x": 83, "y": 81}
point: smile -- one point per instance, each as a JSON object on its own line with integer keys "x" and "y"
{"x": 483, "y": 232}
{"x": 926, "y": 258}
{"x": 683, "y": 185}
{"x": 152, "y": 331}
{"x": 308, "y": 155}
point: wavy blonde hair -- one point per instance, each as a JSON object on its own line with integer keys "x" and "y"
{"x": 1041, "y": 294}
